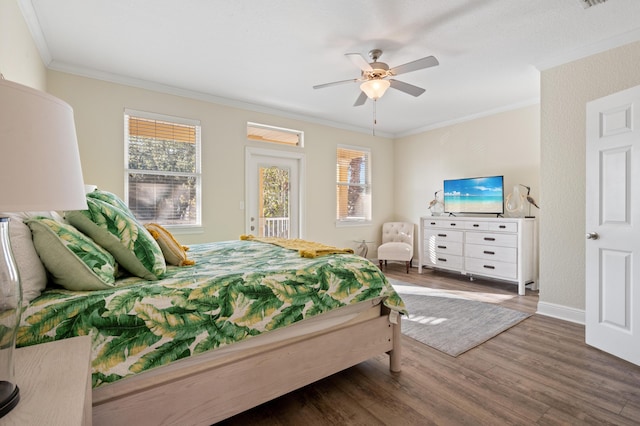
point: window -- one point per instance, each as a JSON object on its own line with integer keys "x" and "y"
{"x": 353, "y": 189}
{"x": 162, "y": 168}
{"x": 272, "y": 134}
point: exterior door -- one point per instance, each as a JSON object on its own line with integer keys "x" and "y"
{"x": 273, "y": 180}
{"x": 613, "y": 225}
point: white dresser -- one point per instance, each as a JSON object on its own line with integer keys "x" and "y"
{"x": 499, "y": 248}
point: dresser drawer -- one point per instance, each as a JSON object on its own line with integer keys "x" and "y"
{"x": 444, "y": 223}
{"x": 450, "y": 247}
{"x": 492, "y": 239}
{"x": 433, "y": 223}
{"x": 491, "y": 268}
{"x": 503, "y": 226}
{"x": 437, "y": 236}
{"x": 501, "y": 254}
{"x": 443, "y": 260}
{"x": 479, "y": 226}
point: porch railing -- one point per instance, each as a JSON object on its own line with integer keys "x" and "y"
{"x": 275, "y": 227}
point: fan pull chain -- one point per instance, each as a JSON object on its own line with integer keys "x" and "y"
{"x": 375, "y": 120}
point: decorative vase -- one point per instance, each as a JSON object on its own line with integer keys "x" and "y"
{"x": 514, "y": 203}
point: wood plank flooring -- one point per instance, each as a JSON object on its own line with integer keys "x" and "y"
{"x": 538, "y": 372}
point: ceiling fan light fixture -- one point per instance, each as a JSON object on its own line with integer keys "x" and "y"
{"x": 375, "y": 88}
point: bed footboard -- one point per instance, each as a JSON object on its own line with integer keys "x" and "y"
{"x": 220, "y": 389}
{"x": 395, "y": 355}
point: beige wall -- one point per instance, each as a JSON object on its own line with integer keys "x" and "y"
{"x": 565, "y": 90}
{"x": 502, "y": 144}
{"x": 541, "y": 146}
{"x": 99, "y": 108}
{"x": 19, "y": 58}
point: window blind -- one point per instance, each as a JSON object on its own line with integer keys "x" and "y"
{"x": 353, "y": 191}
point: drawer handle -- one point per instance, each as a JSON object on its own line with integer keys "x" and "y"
{"x": 489, "y": 267}
{"x": 489, "y": 239}
{"x": 475, "y": 225}
{"x": 489, "y": 252}
{"x": 502, "y": 226}
{"x": 452, "y": 224}
{"x": 442, "y": 260}
{"x": 433, "y": 223}
{"x": 442, "y": 247}
{"x": 442, "y": 235}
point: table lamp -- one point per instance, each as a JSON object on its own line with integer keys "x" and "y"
{"x": 40, "y": 171}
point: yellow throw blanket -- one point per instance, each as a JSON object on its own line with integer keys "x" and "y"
{"x": 306, "y": 248}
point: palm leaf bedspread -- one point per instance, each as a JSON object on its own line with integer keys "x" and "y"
{"x": 237, "y": 289}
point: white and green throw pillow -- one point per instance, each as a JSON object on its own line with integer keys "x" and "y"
{"x": 121, "y": 235}
{"x": 112, "y": 199}
{"x": 73, "y": 260}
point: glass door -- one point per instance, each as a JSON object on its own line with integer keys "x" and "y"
{"x": 273, "y": 193}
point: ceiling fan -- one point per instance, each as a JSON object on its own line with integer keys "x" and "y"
{"x": 376, "y": 76}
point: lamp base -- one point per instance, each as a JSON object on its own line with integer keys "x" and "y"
{"x": 11, "y": 400}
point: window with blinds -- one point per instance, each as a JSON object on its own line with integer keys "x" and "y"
{"x": 353, "y": 188}
{"x": 162, "y": 168}
{"x": 272, "y": 134}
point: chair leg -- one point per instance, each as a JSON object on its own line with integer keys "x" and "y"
{"x": 408, "y": 263}
{"x": 380, "y": 265}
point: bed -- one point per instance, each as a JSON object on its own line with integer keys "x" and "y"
{"x": 247, "y": 322}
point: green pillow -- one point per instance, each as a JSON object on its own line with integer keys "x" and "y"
{"x": 112, "y": 199}
{"x": 121, "y": 235}
{"x": 74, "y": 261}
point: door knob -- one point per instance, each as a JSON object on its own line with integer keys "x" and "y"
{"x": 592, "y": 236}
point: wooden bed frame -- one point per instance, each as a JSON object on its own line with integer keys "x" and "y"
{"x": 206, "y": 390}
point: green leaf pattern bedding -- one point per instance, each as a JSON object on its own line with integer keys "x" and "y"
{"x": 236, "y": 290}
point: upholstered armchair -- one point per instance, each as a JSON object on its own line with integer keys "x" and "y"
{"x": 397, "y": 243}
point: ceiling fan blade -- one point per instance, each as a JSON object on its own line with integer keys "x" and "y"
{"x": 361, "y": 99}
{"x": 335, "y": 83}
{"x": 418, "y": 64}
{"x": 360, "y": 61}
{"x": 406, "y": 87}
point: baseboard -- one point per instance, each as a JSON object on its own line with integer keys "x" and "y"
{"x": 561, "y": 312}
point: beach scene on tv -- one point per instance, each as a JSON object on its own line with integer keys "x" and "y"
{"x": 474, "y": 195}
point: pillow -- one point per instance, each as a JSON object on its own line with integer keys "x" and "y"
{"x": 33, "y": 276}
{"x": 74, "y": 261}
{"x": 174, "y": 253}
{"x": 112, "y": 199}
{"x": 122, "y": 236}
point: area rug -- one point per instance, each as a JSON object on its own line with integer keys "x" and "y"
{"x": 451, "y": 323}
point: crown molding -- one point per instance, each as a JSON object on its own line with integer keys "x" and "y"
{"x": 487, "y": 113}
{"x": 31, "y": 19}
{"x": 172, "y": 90}
{"x": 591, "y": 49}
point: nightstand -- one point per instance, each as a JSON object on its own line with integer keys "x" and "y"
{"x": 55, "y": 384}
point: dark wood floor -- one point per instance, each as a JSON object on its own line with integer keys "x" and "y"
{"x": 538, "y": 372}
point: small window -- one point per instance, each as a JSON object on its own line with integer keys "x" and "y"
{"x": 264, "y": 133}
{"x": 162, "y": 168}
{"x": 353, "y": 189}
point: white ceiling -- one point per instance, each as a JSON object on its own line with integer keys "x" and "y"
{"x": 267, "y": 55}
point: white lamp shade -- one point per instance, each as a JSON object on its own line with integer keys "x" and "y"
{"x": 39, "y": 158}
{"x": 375, "y": 88}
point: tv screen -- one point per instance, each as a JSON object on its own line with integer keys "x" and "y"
{"x": 474, "y": 195}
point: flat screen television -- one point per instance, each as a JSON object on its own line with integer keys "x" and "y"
{"x": 474, "y": 195}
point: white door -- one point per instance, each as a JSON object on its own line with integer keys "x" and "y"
{"x": 273, "y": 197}
{"x": 613, "y": 224}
